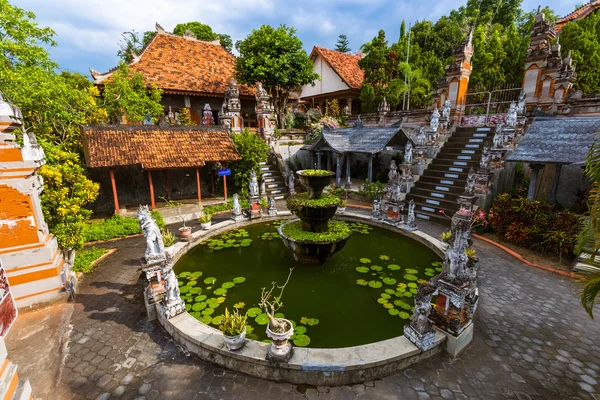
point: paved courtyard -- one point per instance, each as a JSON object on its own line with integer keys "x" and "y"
{"x": 532, "y": 341}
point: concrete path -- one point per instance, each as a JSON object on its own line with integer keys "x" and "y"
{"x": 532, "y": 341}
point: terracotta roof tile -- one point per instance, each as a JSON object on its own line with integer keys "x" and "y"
{"x": 155, "y": 147}
{"x": 344, "y": 64}
{"x": 581, "y": 12}
{"x": 181, "y": 64}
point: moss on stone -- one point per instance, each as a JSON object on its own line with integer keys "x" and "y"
{"x": 300, "y": 201}
{"x": 337, "y": 230}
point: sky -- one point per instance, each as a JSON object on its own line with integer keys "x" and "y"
{"x": 88, "y": 31}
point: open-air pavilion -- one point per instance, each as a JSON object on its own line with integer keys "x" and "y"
{"x": 339, "y": 145}
{"x": 156, "y": 148}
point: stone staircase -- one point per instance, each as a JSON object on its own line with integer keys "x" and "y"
{"x": 12, "y": 386}
{"x": 274, "y": 182}
{"x": 444, "y": 179}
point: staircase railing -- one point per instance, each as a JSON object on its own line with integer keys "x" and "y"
{"x": 488, "y": 107}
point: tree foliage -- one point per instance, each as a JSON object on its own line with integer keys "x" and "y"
{"x": 132, "y": 44}
{"x": 274, "y": 57}
{"x": 127, "y": 94}
{"x": 342, "y": 45}
{"x": 203, "y": 32}
{"x": 253, "y": 150}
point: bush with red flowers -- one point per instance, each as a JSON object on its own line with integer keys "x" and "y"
{"x": 535, "y": 225}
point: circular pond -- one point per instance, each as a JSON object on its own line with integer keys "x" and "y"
{"x": 362, "y": 295}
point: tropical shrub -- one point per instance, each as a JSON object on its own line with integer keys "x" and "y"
{"x": 117, "y": 227}
{"x": 371, "y": 190}
{"x": 253, "y": 151}
{"x": 168, "y": 237}
{"x": 534, "y": 224}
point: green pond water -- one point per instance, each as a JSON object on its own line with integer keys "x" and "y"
{"x": 363, "y": 295}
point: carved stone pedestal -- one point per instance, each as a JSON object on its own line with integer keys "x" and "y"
{"x": 456, "y": 344}
{"x": 392, "y": 213}
{"x": 423, "y": 341}
{"x": 255, "y": 206}
{"x": 497, "y": 159}
{"x": 482, "y": 186}
{"x": 272, "y": 212}
{"x": 172, "y": 308}
{"x": 406, "y": 180}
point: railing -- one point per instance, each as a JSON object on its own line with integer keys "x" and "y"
{"x": 488, "y": 107}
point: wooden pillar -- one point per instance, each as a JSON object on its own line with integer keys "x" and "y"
{"x": 535, "y": 170}
{"x": 212, "y": 181}
{"x": 114, "y": 190}
{"x": 152, "y": 202}
{"x": 370, "y": 172}
{"x": 167, "y": 184}
{"x": 338, "y": 171}
{"x": 319, "y": 160}
{"x": 198, "y": 185}
{"x": 348, "y": 163}
{"x": 225, "y": 186}
{"x": 554, "y": 189}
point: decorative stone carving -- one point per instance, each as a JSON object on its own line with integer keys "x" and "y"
{"x": 470, "y": 184}
{"x": 292, "y": 183}
{"x": 172, "y": 304}
{"x": 420, "y": 331}
{"x": 408, "y": 153}
{"x": 230, "y": 114}
{"x": 253, "y": 187}
{"x": 521, "y": 108}
{"x": 393, "y": 174}
{"x": 376, "y": 213}
{"x": 421, "y": 138}
{"x": 498, "y": 141}
{"x": 383, "y": 108}
{"x": 406, "y": 177}
{"x": 236, "y": 214}
{"x": 435, "y": 120}
{"x": 272, "y": 210}
{"x": 411, "y": 223}
{"x": 484, "y": 163}
{"x": 511, "y": 116}
{"x": 155, "y": 249}
{"x": 207, "y": 115}
{"x": 254, "y": 199}
{"x": 446, "y": 110}
{"x": 264, "y": 114}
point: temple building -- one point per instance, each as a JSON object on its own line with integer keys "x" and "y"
{"x": 581, "y": 12}
{"x": 341, "y": 79}
{"x": 192, "y": 73}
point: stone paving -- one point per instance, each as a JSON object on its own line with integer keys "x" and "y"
{"x": 532, "y": 341}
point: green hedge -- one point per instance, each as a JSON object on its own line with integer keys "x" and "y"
{"x": 85, "y": 258}
{"x": 337, "y": 231}
{"x": 116, "y": 227}
{"x": 217, "y": 208}
{"x": 299, "y": 201}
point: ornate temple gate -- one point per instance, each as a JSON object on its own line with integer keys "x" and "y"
{"x": 487, "y": 107}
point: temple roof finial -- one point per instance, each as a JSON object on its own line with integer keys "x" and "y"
{"x": 159, "y": 28}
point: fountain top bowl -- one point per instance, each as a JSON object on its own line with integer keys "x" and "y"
{"x": 315, "y": 180}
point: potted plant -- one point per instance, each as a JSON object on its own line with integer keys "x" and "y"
{"x": 279, "y": 330}
{"x": 185, "y": 231}
{"x": 342, "y": 207}
{"x": 205, "y": 221}
{"x": 233, "y": 327}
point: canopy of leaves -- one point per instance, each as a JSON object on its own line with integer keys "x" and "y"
{"x": 274, "y": 57}
{"x": 342, "y": 44}
{"x": 203, "y": 32}
{"x": 132, "y": 44}
{"x": 127, "y": 94}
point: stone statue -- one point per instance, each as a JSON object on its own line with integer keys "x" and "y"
{"x": 272, "y": 210}
{"x": 408, "y": 153}
{"x": 172, "y": 304}
{"x": 263, "y": 188}
{"x": 470, "y": 184}
{"x": 420, "y": 320}
{"x": 253, "y": 187}
{"x": 521, "y": 103}
{"x": 511, "y": 116}
{"x": 155, "y": 249}
{"x": 376, "y": 213}
{"x": 421, "y": 139}
{"x": 499, "y": 137}
{"x": 435, "y": 121}
{"x": 237, "y": 208}
{"x": 411, "y": 224}
{"x": 485, "y": 158}
{"x": 171, "y": 117}
{"x": 395, "y": 193}
{"x": 393, "y": 174}
{"x": 446, "y": 110}
{"x": 292, "y": 183}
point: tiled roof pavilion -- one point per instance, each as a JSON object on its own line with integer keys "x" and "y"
{"x": 183, "y": 65}
{"x": 344, "y": 64}
{"x": 582, "y": 12}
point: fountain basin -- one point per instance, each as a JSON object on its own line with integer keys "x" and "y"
{"x": 311, "y": 252}
{"x": 315, "y": 181}
{"x": 314, "y": 213}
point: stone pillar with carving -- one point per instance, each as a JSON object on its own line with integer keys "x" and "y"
{"x": 264, "y": 111}
{"x": 230, "y": 115}
{"x": 420, "y": 152}
{"x": 484, "y": 173}
{"x": 171, "y": 304}
{"x": 382, "y": 110}
{"x": 392, "y": 206}
{"x": 420, "y": 330}
{"x": 254, "y": 198}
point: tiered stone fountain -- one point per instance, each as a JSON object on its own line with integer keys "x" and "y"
{"x": 314, "y": 239}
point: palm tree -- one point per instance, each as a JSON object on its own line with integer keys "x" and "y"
{"x": 415, "y": 83}
{"x": 589, "y": 238}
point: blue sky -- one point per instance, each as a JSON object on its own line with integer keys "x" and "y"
{"x": 88, "y": 31}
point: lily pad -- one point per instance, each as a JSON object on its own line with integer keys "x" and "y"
{"x": 262, "y": 319}
{"x": 185, "y": 274}
{"x": 404, "y": 315}
{"x": 208, "y": 311}
{"x": 299, "y": 330}
{"x": 239, "y": 305}
{"x": 254, "y": 312}
{"x": 383, "y": 257}
{"x": 375, "y": 284}
{"x": 210, "y": 280}
{"x": 429, "y": 273}
{"x": 413, "y": 291}
{"x": 202, "y": 297}
{"x": 402, "y": 285}
{"x": 188, "y": 307}
{"x": 196, "y": 290}
{"x": 180, "y": 283}
{"x": 398, "y": 303}
{"x": 206, "y": 319}
{"x": 393, "y": 267}
{"x": 385, "y": 296}
{"x": 376, "y": 268}
{"x": 393, "y": 311}
{"x": 301, "y": 341}
{"x": 197, "y": 274}
{"x": 389, "y": 281}
{"x": 199, "y": 306}
{"x": 220, "y": 300}
{"x": 365, "y": 261}
{"x": 362, "y": 270}
{"x": 407, "y": 294}
{"x": 228, "y": 285}
{"x": 381, "y": 300}
{"x": 279, "y": 315}
{"x": 388, "y": 305}
{"x": 239, "y": 279}
{"x": 411, "y": 271}
{"x": 309, "y": 321}
{"x": 184, "y": 289}
{"x": 217, "y": 320}
{"x": 389, "y": 291}
{"x": 361, "y": 282}
{"x": 220, "y": 292}
{"x": 218, "y": 248}
{"x": 410, "y": 277}
{"x": 412, "y": 285}
{"x": 192, "y": 283}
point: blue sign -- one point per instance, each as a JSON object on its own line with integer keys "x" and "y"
{"x": 224, "y": 172}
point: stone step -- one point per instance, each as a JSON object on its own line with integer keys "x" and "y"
{"x": 435, "y": 194}
{"x": 432, "y": 202}
{"x": 436, "y": 180}
{"x": 441, "y": 187}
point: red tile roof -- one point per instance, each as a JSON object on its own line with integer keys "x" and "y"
{"x": 179, "y": 64}
{"x": 344, "y": 64}
{"x": 156, "y": 147}
{"x": 581, "y": 12}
